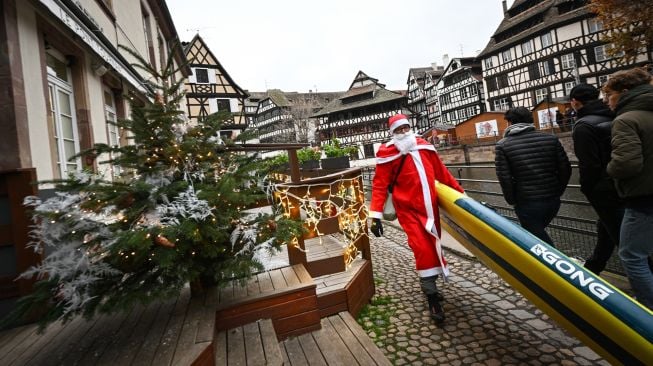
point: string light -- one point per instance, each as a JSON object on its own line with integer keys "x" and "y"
{"x": 344, "y": 199}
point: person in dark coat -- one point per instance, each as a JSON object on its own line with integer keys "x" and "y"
{"x": 591, "y": 135}
{"x": 533, "y": 171}
{"x": 560, "y": 120}
{"x": 630, "y": 94}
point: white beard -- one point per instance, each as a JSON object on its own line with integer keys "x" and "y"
{"x": 405, "y": 142}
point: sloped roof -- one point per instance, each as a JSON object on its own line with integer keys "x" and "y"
{"x": 357, "y": 91}
{"x": 465, "y": 63}
{"x": 381, "y": 95}
{"x": 436, "y": 73}
{"x": 362, "y": 77}
{"x": 419, "y": 73}
{"x": 525, "y": 11}
{"x": 254, "y": 97}
{"x": 278, "y": 97}
{"x": 212, "y": 60}
{"x": 288, "y": 99}
{"x": 362, "y": 84}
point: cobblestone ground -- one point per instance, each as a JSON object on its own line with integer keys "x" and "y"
{"x": 487, "y": 322}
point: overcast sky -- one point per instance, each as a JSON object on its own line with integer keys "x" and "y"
{"x": 301, "y": 45}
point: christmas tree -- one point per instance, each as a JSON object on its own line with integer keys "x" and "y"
{"x": 174, "y": 217}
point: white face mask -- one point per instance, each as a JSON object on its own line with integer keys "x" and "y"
{"x": 401, "y": 136}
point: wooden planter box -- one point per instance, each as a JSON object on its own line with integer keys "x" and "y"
{"x": 310, "y": 165}
{"x": 340, "y": 162}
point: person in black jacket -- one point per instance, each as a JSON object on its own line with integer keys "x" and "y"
{"x": 591, "y": 135}
{"x": 533, "y": 171}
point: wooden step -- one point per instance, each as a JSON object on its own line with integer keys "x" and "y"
{"x": 285, "y": 295}
{"x": 324, "y": 255}
{"x": 349, "y": 290}
{"x": 249, "y": 344}
{"x": 340, "y": 341}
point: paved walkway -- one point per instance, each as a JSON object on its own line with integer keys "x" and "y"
{"x": 488, "y": 323}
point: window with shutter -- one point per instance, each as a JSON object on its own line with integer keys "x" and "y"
{"x": 491, "y": 84}
{"x": 533, "y": 71}
{"x": 502, "y": 81}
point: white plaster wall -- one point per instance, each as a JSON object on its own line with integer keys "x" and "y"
{"x": 34, "y": 94}
{"x": 129, "y": 23}
{"x": 103, "y": 20}
{"x": 96, "y": 114}
{"x": 569, "y": 31}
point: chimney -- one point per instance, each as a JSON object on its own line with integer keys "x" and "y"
{"x": 445, "y": 59}
{"x": 505, "y": 6}
{"x": 434, "y": 65}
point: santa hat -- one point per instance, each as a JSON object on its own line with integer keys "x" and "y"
{"x": 397, "y": 120}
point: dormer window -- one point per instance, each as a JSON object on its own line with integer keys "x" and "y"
{"x": 546, "y": 40}
{"x": 594, "y": 25}
{"x": 506, "y": 55}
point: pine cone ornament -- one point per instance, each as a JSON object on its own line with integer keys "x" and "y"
{"x": 163, "y": 241}
{"x": 126, "y": 201}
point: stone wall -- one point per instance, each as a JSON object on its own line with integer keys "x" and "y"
{"x": 484, "y": 153}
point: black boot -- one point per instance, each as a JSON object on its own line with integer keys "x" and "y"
{"x": 435, "y": 308}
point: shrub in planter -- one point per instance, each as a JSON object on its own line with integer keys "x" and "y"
{"x": 337, "y": 155}
{"x": 309, "y": 158}
{"x": 278, "y": 163}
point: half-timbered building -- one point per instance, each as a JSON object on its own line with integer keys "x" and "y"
{"x": 210, "y": 88}
{"x": 542, "y": 48}
{"x": 288, "y": 116}
{"x": 417, "y": 98}
{"x": 360, "y": 116}
{"x": 431, "y": 93}
{"x": 251, "y": 106}
{"x": 460, "y": 91}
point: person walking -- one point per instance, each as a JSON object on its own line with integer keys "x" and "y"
{"x": 413, "y": 165}
{"x": 591, "y": 135}
{"x": 533, "y": 171}
{"x": 629, "y": 94}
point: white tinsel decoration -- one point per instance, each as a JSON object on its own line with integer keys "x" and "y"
{"x": 186, "y": 205}
{"x": 71, "y": 262}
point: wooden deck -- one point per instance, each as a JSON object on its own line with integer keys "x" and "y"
{"x": 250, "y": 344}
{"x": 183, "y": 331}
{"x": 340, "y": 341}
{"x": 175, "y": 332}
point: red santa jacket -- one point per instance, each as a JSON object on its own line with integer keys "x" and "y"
{"x": 415, "y": 184}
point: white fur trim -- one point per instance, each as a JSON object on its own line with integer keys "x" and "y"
{"x": 430, "y": 214}
{"x": 387, "y": 159}
{"x": 444, "y": 271}
{"x": 397, "y": 123}
{"x": 376, "y": 214}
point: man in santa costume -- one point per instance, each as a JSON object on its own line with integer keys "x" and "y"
{"x": 415, "y": 200}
